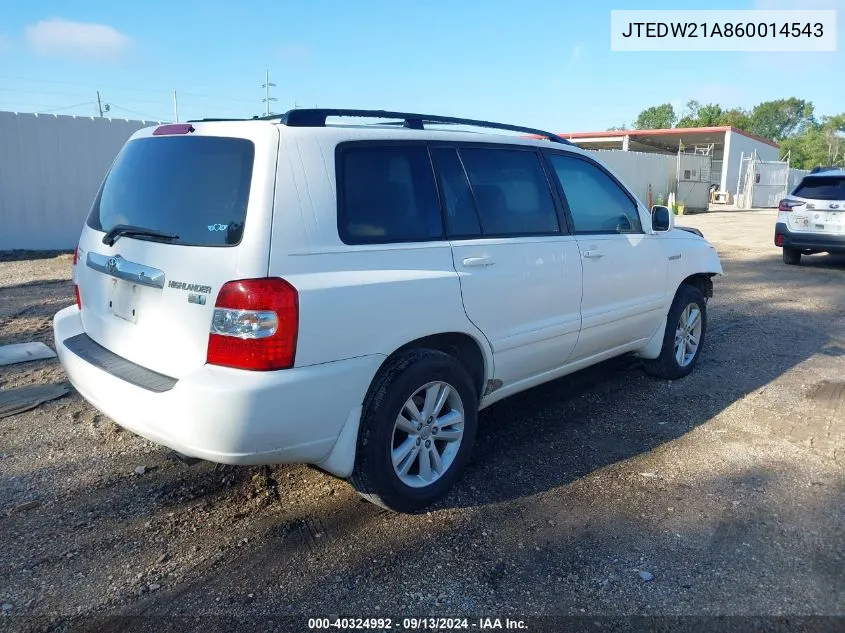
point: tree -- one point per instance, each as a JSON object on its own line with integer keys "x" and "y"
{"x": 833, "y": 130}
{"x": 710, "y": 115}
{"x": 736, "y": 117}
{"x": 782, "y": 118}
{"x": 791, "y": 122}
{"x": 698, "y": 115}
{"x": 656, "y": 117}
{"x": 821, "y": 144}
{"x": 690, "y": 115}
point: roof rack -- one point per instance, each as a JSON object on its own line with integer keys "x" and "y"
{"x": 316, "y": 117}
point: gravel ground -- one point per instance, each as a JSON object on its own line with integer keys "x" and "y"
{"x": 603, "y": 493}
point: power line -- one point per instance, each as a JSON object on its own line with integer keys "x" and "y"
{"x": 70, "y": 107}
{"x": 113, "y": 87}
{"x": 107, "y": 106}
{"x": 40, "y": 92}
{"x": 45, "y": 110}
{"x": 140, "y": 114}
{"x": 195, "y": 101}
{"x": 160, "y": 102}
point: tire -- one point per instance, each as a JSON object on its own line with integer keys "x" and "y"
{"x": 791, "y": 256}
{"x": 667, "y": 365}
{"x": 380, "y": 437}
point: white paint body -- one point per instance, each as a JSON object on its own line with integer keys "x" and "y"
{"x": 548, "y": 307}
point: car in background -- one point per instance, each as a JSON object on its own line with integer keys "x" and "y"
{"x": 812, "y": 218}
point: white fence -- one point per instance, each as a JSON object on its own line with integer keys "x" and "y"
{"x": 638, "y": 170}
{"x": 762, "y": 183}
{"x": 50, "y": 170}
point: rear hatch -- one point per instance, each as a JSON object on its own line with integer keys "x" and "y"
{"x": 819, "y": 205}
{"x": 199, "y": 201}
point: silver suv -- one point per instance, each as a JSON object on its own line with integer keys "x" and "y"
{"x": 812, "y": 218}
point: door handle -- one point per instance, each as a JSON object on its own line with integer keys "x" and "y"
{"x": 478, "y": 261}
{"x": 593, "y": 254}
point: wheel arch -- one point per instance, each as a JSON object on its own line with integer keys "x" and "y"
{"x": 464, "y": 348}
{"x": 702, "y": 281}
{"x": 467, "y": 349}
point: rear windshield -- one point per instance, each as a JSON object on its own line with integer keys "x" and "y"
{"x": 194, "y": 187}
{"x": 821, "y": 188}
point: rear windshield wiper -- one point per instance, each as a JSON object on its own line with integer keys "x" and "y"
{"x": 128, "y": 229}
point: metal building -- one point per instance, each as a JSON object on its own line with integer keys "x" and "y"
{"x": 708, "y": 157}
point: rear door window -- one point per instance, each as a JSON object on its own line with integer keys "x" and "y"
{"x": 195, "y": 187}
{"x": 387, "y": 195}
{"x": 512, "y": 192}
{"x": 458, "y": 202}
{"x": 821, "y": 188}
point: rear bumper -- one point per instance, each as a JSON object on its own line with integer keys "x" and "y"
{"x": 227, "y": 415}
{"x": 809, "y": 241}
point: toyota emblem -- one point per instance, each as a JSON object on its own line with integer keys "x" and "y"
{"x": 112, "y": 264}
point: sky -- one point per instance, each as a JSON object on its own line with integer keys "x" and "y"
{"x": 539, "y": 63}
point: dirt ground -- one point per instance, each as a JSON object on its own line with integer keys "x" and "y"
{"x": 603, "y": 493}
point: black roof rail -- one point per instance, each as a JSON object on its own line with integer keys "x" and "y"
{"x": 316, "y": 117}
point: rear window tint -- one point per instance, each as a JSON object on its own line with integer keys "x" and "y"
{"x": 387, "y": 195}
{"x": 821, "y": 188}
{"x": 195, "y": 187}
{"x": 512, "y": 192}
{"x": 458, "y": 203}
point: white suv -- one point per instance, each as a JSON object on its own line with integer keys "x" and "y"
{"x": 812, "y": 218}
{"x": 349, "y": 296}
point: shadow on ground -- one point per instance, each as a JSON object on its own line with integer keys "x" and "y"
{"x": 570, "y": 494}
{"x": 25, "y": 256}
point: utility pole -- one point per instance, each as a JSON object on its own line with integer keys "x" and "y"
{"x": 175, "y": 108}
{"x": 99, "y": 104}
{"x": 267, "y": 85}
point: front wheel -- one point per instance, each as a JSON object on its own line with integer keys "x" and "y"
{"x": 417, "y": 431}
{"x": 686, "y": 325}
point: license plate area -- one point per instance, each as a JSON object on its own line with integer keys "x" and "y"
{"x": 123, "y": 300}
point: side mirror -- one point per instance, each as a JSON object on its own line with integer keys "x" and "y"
{"x": 662, "y": 218}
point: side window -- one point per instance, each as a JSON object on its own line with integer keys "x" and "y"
{"x": 512, "y": 192}
{"x": 387, "y": 194}
{"x": 458, "y": 203}
{"x": 597, "y": 203}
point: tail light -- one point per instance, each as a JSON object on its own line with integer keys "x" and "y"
{"x": 255, "y": 325}
{"x": 73, "y": 277}
{"x": 787, "y": 205}
{"x": 778, "y": 240}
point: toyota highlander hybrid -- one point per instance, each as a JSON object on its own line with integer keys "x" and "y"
{"x": 299, "y": 290}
